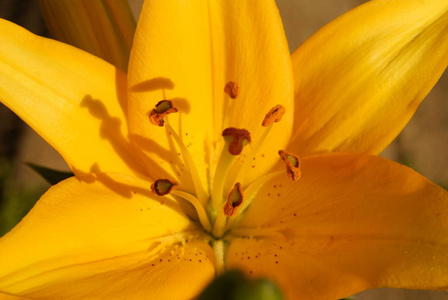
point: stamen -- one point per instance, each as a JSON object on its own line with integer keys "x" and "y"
{"x": 293, "y": 171}
{"x": 200, "y": 192}
{"x": 292, "y": 165}
{"x": 235, "y": 140}
{"x": 234, "y": 200}
{"x": 231, "y": 89}
{"x": 162, "y": 109}
{"x": 205, "y": 222}
{"x": 250, "y": 193}
{"x": 238, "y": 139}
{"x": 163, "y": 187}
{"x": 274, "y": 115}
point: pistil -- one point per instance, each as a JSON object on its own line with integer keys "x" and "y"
{"x": 235, "y": 139}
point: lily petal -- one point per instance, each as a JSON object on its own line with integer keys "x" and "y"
{"x": 11, "y": 297}
{"x": 103, "y": 28}
{"x": 360, "y": 79}
{"x": 352, "y": 222}
{"x": 75, "y": 101}
{"x": 186, "y": 52}
{"x": 109, "y": 237}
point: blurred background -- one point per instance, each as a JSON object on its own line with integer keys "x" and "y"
{"x": 421, "y": 146}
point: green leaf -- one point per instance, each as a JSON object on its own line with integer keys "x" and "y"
{"x": 50, "y": 175}
{"x": 233, "y": 285}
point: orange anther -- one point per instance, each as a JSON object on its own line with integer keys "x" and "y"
{"x": 231, "y": 89}
{"x": 162, "y": 109}
{"x": 292, "y": 163}
{"x": 274, "y": 115}
{"x": 234, "y": 200}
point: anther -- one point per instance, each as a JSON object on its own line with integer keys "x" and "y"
{"x": 274, "y": 115}
{"x": 162, "y": 187}
{"x": 162, "y": 109}
{"x": 292, "y": 163}
{"x": 237, "y": 139}
{"x": 234, "y": 200}
{"x": 231, "y": 89}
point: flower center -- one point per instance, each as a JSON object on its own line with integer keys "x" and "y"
{"x": 230, "y": 196}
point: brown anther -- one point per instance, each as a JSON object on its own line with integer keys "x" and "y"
{"x": 234, "y": 200}
{"x": 292, "y": 165}
{"x": 231, "y": 89}
{"x": 162, "y": 187}
{"x": 239, "y": 139}
{"x": 274, "y": 115}
{"x": 162, "y": 109}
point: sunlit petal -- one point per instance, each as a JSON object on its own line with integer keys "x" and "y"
{"x": 359, "y": 80}
{"x": 105, "y": 237}
{"x": 75, "y": 101}
{"x": 352, "y": 222}
{"x": 4, "y": 296}
{"x": 186, "y": 52}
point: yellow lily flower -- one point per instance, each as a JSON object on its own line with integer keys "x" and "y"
{"x": 168, "y": 193}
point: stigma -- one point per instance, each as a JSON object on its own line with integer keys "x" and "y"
{"x": 238, "y": 139}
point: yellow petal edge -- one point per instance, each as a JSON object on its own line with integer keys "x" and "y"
{"x": 74, "y": 100}
{"x": 352, "y": 222}
{"x": 105, "y": 236}
{"x": 359, "y": 80}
